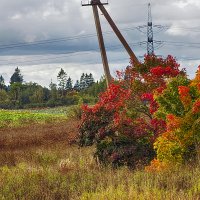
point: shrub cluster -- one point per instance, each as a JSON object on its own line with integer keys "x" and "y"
{"x": 179, "y": 105}
{"x": 122, "y": 124}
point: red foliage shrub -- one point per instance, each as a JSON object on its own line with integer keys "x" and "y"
{"x": 122, "y": 124}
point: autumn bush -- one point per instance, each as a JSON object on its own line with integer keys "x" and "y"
{"x": 179, "y": 105}
{"x": 122, "y": 124}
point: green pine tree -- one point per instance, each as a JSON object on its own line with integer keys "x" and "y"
{"x": 90, "y": 79}
{"x": 62, "y": 81}
{"x": 69, "y": 84}
{"x": 16, "y": 77}
{"x": 2, "y": 83}
{"x": 82, "y": 82}
{"x": 77, "y": 86}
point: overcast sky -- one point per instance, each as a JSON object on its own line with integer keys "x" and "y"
{"x": 63, "y": 35}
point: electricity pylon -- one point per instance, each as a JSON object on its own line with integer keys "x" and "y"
{"x": 149, "y": 30}
{"x": 95, "y": 4}
{"x": 150, "y": 47}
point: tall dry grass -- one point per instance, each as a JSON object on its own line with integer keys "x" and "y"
{"x": 37, "y": 162}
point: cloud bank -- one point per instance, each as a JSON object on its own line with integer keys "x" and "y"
{"x": 71, "y": 42}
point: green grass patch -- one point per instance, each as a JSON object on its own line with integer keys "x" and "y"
{"x": 24, "y": 118}
{"x": 61, "y": 110}
{"x": 73, "y": 111}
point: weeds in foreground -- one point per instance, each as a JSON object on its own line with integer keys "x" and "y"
{"x": 62, "y": 172}
{"x": 51, "y": 169}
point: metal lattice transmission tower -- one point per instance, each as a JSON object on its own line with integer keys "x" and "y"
{"x": 150, "y": 47}
{"x": 99, "y": 4}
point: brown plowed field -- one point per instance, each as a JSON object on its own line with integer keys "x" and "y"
{"x": 38, "y": 135}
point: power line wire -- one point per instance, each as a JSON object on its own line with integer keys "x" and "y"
{"x": 89, "y": 51}
{"x": 41, "y": 42}
{"x": 69, "y": 38}
{"x": 68, "y": 54}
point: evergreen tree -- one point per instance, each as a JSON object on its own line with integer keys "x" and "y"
{"x": 90, "y": 79}
{"x": 2, "y": 83}
{"x": 69, "y": 84}
{"x": 86, "y": 81}
{"x": 77, "y": 86}
{"x": 82, "y": 82}
{"x": 16, "y": 77}
{"x": 62, "y": 81}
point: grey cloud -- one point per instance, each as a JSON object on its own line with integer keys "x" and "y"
{"x": 33, "y": 20}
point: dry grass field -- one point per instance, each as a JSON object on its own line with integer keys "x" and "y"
{"x": 40, "y": 161}
{"x": 34, "y": 135}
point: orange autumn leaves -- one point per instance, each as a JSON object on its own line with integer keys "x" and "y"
{"x": 184, "y": 93}
{"x": 173, "y": 146}
{"x": 196, "y": 107}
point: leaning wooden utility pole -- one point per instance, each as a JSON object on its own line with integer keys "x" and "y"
{"x": 94, "y": 4}
{"x": 102, "y": 45}
{"x": 118, "y": 33}
{"x": 101, "y": 40}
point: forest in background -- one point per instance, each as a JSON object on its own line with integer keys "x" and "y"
{"x": 142, "y": 139}
{"x": 20, "y": 94}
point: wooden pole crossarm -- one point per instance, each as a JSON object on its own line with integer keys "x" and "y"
{"x": 118, "y": 33}
{"x": 94, "y": 2}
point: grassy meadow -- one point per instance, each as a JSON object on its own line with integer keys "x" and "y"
{"x": 24, "y": 118}
{"x": 39, "y": 160}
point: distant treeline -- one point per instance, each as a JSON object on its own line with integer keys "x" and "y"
{"x": 19, "y": 94}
